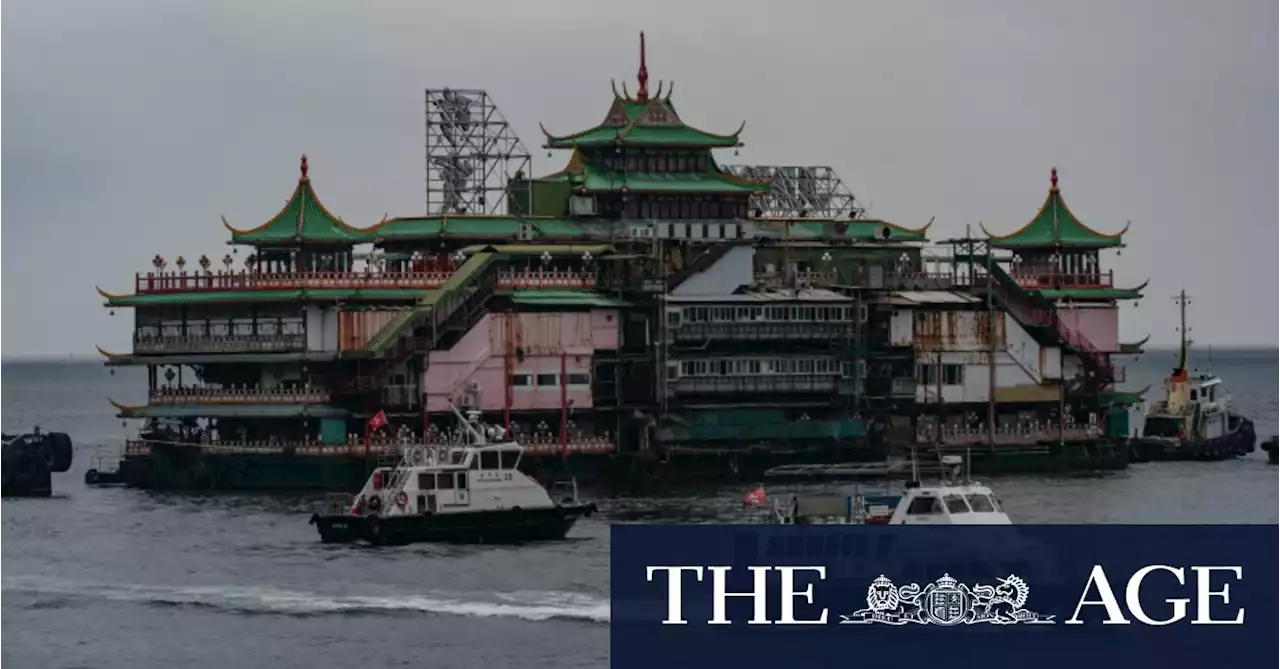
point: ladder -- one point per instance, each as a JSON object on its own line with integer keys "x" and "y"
{"x": 398, "y": 478}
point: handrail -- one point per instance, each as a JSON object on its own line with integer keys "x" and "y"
{"x": 356, "y": 447}
{"x": 237, "y": 396}
{"x": 182, "y": 282}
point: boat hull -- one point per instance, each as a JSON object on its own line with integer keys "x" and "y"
{"x": 172, "y": 467}
{"x": 508, "y": 526}
{"x": 1241, "y": 441}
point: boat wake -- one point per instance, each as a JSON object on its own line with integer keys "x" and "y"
{"x": 253, "y": 600}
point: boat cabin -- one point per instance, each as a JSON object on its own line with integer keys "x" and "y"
{"x": 433, "y": 480}
{"x": 960, "y": 504}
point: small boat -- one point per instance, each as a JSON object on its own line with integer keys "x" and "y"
{"x": 472, "y": 493}
{"x": 948, "y": 503}
{"x": 1194, "y": 421}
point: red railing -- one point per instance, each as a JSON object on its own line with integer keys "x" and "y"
{"x": 219, "y": 343}
{"x": 1064, "y": 280}
{"x": 187, "y": 282}
{"x": 356, "y": 447}
{"x": 237, "y": 396}
{"x": 545, "y": 279}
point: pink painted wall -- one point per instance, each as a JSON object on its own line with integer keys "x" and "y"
{"x": 541, "y": 337}
{"x": 1100, "y": 325}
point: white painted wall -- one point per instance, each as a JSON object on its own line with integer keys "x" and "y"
{"x": 730, "y": 272}
{"x": 322, "y": 328}
{"x": 900, "y": 328}
{"x": 976, "y": 382}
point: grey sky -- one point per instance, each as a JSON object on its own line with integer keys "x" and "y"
{"x": 131, "y": 126}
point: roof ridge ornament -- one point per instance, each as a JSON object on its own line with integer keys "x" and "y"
{"x": 642, "y": 95}
{"x": 1053, "y": 179}
{"x": 302, "y": 167}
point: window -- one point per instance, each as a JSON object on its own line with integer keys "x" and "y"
{"x": 426, "y": 481}
{"x": 508, "y": 459}
{"x": 445, "y": 482}
{"x": 488, "y": 459}
{"x": 545, "y": 380}
{"x": 521, "y": 380}
{"x": 956, "y": 504}
{"x": 579, "y": 379}
{"x": 462, "y": 480}
{"x": 923, "y": 506}
{"x": 981, "y": 503}
{"x": 952, "y": 375}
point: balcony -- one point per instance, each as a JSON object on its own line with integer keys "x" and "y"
{"x": 546, "y": 280}
{"x": 762, "y": 383}
{"x": 761, "y": 331}
{"x": 1024, "y": 434}
{"x": 802, "y": 280}
{"x": 278, "y": 343}
{"x": 187, "y": 396}
{"x": 543, "y": 446}
{"x": 190, "y": 282}
{"x": 1063, "y": 280}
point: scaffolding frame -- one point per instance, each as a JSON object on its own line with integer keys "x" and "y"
{"x": 472, "y": 154}
{"x": 800, "y": 191}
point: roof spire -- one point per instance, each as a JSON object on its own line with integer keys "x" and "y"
{"x": 1053, "y": 178}
{"x": 303, "y": 167}
{"x": 642, "y": 76}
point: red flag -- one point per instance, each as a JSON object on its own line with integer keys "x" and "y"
{"x": 754, "y": 498}
{"x": 378, "y": 420}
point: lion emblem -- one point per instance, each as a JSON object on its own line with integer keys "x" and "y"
{"x": 881, "y": 595}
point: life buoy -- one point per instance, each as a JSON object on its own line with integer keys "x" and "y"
{"x": 402, "y": 499}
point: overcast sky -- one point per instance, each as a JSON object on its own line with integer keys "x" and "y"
{"x": 130, "y": 126}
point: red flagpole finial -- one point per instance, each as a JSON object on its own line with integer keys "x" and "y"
{"x": 1053, "y": 178}
{"x": 643, "y": 75}
{"x": 303, "y": 166}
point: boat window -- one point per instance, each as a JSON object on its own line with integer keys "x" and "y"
{"x": 462, "y": 480}
{"x": 521, "y": 380}
{"x": 956, "y": 504}
{"x": 509, "y": 459}
{"x": 547, "y": 379}
{"x": 925, "y": 506}
{"x": 445, "y": 482}
{"x": 1193, "y": 394}
{"x": 981, "y": 503}
{"x": 488, "y": 459}
{"x": 426, "y": 481}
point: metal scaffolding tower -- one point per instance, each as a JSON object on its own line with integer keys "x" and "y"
{"x": 800, "y": 191}
{"x": 472, "y": 153}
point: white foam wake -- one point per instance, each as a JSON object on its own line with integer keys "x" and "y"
{"x": 526, "y": 605}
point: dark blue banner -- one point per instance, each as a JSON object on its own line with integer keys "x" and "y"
{"x": 794, "y": 597}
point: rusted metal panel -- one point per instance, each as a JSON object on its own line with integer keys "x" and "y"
{"x": 356, "y": 328}
{"x": 958, "y": 330}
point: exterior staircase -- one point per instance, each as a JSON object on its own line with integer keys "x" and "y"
{"x": 453, "y": 308}
{"x": 1039, "y": 314}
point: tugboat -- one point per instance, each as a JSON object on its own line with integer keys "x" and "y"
{"x": 949, "y": 503}
{"x": 473, "y": 493}
{"x": 1195, "y": 421}
{"x": 30, "y": 458}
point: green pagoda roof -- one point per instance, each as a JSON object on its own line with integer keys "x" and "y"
{"x": 473, "y": 226}
{"x": 1084, "y": 294}
{"x": 1134, "y": 347}
{"x": 1055, "y": 227}
{"x": 582, "y": 173}
{"x": 642, "y": 121}
{"x": 303, "y": 219}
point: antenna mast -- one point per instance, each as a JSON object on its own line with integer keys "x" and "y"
{"x": 1183, "y": 341}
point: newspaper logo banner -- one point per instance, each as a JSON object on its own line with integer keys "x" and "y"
{"x": 947, "y": 602}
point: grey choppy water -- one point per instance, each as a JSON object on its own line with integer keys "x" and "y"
{"x": 123, "y": 578}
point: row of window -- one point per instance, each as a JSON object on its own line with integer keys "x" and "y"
{"x": 952, "y": 375}
{"x": 756, "y": 366}
{"x": 222, "y": 329}
{"x": 549, "y": 380}
{"x": 655, "y": 162}
{"x": 771, "y": 314}
{"x": 643, "y": 207}
{"x": 927, "y": 506}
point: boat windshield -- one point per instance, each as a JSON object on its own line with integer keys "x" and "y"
{"x": 956, "y": 504}
{"x": 981, "y": 503}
